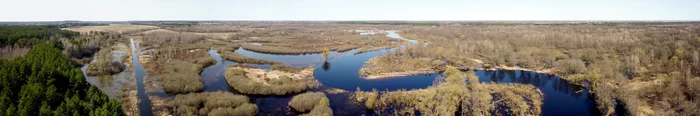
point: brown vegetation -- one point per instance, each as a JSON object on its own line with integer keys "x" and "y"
{"x": 213, "y": 104}
{"x": 233, "y": 56}
{"x": 274, "y": 82}
{"x": 453, "y": 94}
{"x": 10, "y": 52}
{"x": 178, "y": 69}
{"x": 316, "y": 103}
{"x": 616, "y": 61}
{"x": 400, "y": 63}
{"x": 104, "y": 64}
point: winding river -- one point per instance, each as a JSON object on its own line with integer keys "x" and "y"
{"x": 341, "y": 71}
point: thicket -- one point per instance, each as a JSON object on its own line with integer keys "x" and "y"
{"x": 104, "y": 64}
{"x": 178, "y": 69}
{"x": 233, "y": 56}
{"x": 614, "y": 60}
{"x": 237, "y": 78}
{"x": 44, "y": 82}
{"x": 213, "y": 104}
{"x": 404, "y": 59}
{"x": 315, "y": 103}
{"x": 458, "y": 94}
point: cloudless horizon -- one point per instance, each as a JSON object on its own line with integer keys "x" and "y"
{"x": 335, "y": 10}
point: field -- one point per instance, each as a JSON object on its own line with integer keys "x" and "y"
{"x": 119, "y": 28}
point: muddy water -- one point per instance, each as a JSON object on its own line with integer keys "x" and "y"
{"x": 145, "y": 102}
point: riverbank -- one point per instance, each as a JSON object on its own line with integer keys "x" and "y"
{"x": 392, "y": 65}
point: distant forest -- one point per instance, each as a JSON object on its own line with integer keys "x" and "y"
{"x": 27, "y": 35}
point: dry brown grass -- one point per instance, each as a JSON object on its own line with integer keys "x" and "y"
{"x": 274, "y": 82}
{"x": 112, "y": 27}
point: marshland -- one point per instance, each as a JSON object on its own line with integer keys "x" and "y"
{"x": 324, "y": 68}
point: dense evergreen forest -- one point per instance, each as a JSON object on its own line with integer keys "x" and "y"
{"x": 27, "y": 35}
{"x": 44, "y": 81}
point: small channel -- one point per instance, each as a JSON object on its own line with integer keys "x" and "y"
{"x": 145, "y": 102}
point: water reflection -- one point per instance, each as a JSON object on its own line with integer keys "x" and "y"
{"x": 560, "y": 97}
{"x": 326, "y": 66}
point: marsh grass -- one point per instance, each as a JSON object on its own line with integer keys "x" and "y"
{"x": 315, "y": 103}
{"x": 178, "y": 69}
{"x": 213, "y": 103}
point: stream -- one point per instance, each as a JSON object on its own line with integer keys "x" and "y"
{"x": 145, "y": 102}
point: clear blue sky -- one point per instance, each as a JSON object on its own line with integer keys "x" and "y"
{"x": 121, "y": 10}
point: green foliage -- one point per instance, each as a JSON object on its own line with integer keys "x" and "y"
{"x": 28, "y": 35}
{"x": 45, "y": 82}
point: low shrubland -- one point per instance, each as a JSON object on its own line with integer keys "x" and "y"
{"x": 614, "y": 60}
{"x": 178, "y": 69}
{"x": 213, "y": 104}
{"x": 104, "y": 64}
{"x": 233, "y": 56}
{"x": 261, "y": 82}
{"x": 400, "y": 63}
{"x": 455, "y": 96}
{"x": 315, "y": 103}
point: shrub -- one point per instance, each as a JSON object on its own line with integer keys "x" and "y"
{"x": 316, "y": 103}
{"x": 229, "y": 55}
{"x": 213, "y": 103}
{"x": 306, "y": 101}
{"x": 571, "y": 66}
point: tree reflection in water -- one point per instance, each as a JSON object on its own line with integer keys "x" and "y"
{"x": 560, "y": 97}
{"x": 326, "y": 66}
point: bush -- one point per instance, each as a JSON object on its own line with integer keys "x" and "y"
{"x": 213, "y": 103}
{"x": 316, "y": 103}
{"x": 244, "y": 110}
{"x": 306, "y": 101}
{"x": 229, "y": 55}
{"x": 570, "y": 66}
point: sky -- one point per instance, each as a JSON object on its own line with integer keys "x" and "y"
{"x": 409, "y": 10}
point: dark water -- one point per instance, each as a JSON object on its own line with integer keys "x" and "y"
{"x": 145, "y": 104}
{"x": 560, "y": 97}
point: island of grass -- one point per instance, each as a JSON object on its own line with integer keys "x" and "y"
{"x": 213, "y": 104}
{"x": 277, "y": 81}
{"x": 311, "y": 104}
{"x": 394, "y": 64}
